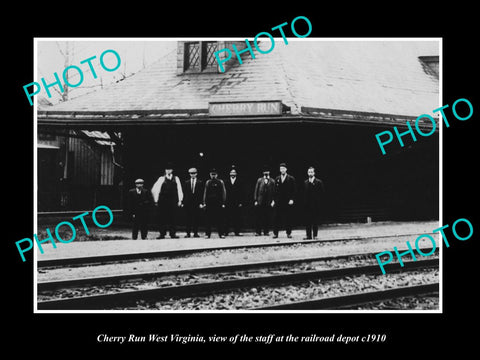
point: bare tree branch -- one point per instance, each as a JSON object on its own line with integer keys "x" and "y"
{"x": 59, "y": 48}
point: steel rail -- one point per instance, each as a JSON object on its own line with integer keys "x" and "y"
{"x": 112, "y": 279}
{"x": 101, "y": 259}
{"x": 127, "y": 298}
{"x": 358, "y": 299}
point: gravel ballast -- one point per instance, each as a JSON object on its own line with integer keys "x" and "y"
{"x": 242, "y": 299}
{"x": 228, "y": 256}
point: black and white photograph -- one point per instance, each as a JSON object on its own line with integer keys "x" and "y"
{"x": 213, "y": 179}
{"x": 263, "y": 187}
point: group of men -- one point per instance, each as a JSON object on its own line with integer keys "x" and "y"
{"x": 223, "y": 202}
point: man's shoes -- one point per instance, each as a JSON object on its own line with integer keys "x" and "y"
{"x": 173, "y": 237}
{"x": 238, "y": 234}
{"x": 275, "y": 236}
{"x": 187, "y": 236}
{"x": 161, "y": 237}
{"x": 266, "y": 234}
{"x": 307, "y": 238}
{"x": 207, "y": 236}
{"x": 196, "y": 235}
{"x": 222, "y": 236}
{"x": 257, "y": 234}
{"x": 289, "y": 236}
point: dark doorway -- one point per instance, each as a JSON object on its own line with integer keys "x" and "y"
{"x": 359, "y": 180}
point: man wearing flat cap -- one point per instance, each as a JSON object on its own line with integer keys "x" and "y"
{"x": 167, "y": 196}
{"x": 138, "y": 207}
{"x": 192, "y": 202}
{"x": 234, "y": 202}
{"x": 263, "y": 202}
{"x": 214, "y": 198}
{"x": 284, "y": 198}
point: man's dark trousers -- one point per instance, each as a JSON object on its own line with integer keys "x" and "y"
{"x": 283, "y": 218}
{"x": 140, "y": 222}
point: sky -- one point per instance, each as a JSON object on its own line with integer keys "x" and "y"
{"x": 134, "y": 55}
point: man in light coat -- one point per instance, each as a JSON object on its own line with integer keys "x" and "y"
{"x": 167, "y": 196}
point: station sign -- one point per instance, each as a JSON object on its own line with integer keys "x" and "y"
{"x": 244, "y": 108}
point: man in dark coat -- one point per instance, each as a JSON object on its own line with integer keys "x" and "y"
{"x": 168, "y": 196}
{"x": 263, "y": 198}
{"x": 234, "y": 202}
{"x": 192, "y": 201}
{"x": 285, "y": 190}
{"x": 214, "y": 197}
{"x": 138, "y": 206}
{"x": 313, "y": 195}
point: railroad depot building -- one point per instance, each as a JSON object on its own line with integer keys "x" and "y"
{"x": 309, "y": 103}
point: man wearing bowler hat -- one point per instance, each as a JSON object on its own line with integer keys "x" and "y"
{"x": 167, "y": 196}
{"x": 139, "y": 202}
{"x": 263, "y": 202}
{"x": 214, "y": 197}
{"x": 284, "y": 198}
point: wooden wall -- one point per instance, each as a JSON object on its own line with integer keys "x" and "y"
{"x": 91, "y": 164}
{"x": 87, "y": 182}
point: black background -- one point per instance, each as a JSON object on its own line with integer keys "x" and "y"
{"x": 60, "y": 335}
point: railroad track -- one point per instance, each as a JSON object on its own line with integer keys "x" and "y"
{"x": 130, "y": 297}
{"x": 231, "y": 268}
{"x": 113, "y": 258}
{"x": 364, "y": 298}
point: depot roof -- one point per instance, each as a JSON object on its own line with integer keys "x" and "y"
{"x": 360, "y": 80}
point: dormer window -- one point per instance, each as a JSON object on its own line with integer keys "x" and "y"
{"x": 199, "y": 56}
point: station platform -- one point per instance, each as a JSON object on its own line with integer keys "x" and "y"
{"x": 120, "y": 241}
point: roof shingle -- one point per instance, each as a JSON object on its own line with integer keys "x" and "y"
{"x": 366, "y": 76}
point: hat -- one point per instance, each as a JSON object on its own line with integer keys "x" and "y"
{"x": 139, "y": 181}
{"x": 233, "y": 168}
{"x": 283, "y": 164}
{"x": 192, "y": 170}
{"x": 169, "y": 165}
{"x": 265, "y": 168}
{"x": 213, "y": 171}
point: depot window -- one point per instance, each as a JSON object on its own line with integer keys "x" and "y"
{"x": 199, "y": 56}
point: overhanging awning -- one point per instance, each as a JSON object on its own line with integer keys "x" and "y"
{"x": 116, "y": 119}
{"x": 47, "y": 147}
